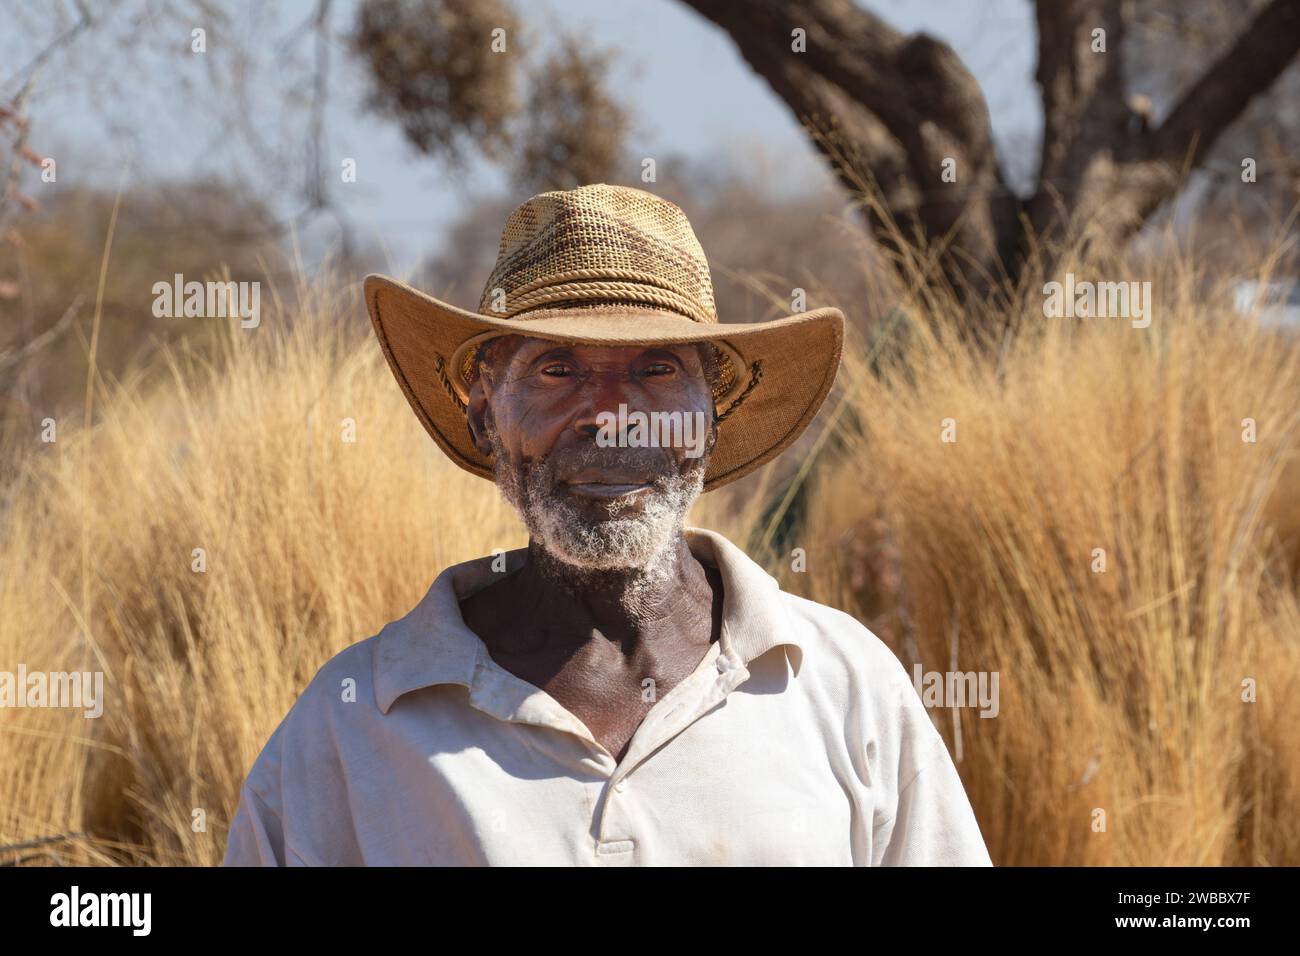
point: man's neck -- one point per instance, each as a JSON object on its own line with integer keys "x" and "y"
{"x": 632, "y": 608}
{"x": 551, "y": 610}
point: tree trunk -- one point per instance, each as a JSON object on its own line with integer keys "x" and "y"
{"x": 895, "y": 112}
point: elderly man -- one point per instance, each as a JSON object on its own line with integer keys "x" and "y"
{"x": 626, "y": 690}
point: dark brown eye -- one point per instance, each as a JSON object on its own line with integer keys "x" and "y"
{"x": 563, "y": 370}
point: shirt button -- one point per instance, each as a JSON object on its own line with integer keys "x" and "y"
{"x": 621, "y": 785}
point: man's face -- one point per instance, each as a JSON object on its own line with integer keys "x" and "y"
{"x": 592, "y": 493}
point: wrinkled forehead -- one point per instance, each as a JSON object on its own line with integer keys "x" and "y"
{"x": 498, "y": 352}
{"x": 508, "y": 347}
{"x": 501, "y": 350}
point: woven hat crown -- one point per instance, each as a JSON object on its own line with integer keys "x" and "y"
{"x": 599, "y": 245}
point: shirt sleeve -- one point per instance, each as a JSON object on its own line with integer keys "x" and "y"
{"x": 931, "y": 822}
{"x": 256, "y": 835}
{"x": 293, "y": 806}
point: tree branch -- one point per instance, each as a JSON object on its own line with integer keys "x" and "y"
{"x": 1213, "y": 102}
{"x": 13, "y": 357}
{"x": 903, "y": 105}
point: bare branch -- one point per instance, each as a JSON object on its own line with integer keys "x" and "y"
{"x": 1248, "y": 68}
{"x": 14, "y": 357}
{"x": 905, "y": 105}
{"x": 25, "y": 74}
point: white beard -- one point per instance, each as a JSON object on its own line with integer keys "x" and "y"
{"x": 643, "y": 543}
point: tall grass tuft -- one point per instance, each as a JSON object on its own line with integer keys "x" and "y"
{"x": 1102, "y": 535}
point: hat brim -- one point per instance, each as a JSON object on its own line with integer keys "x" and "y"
{"x": 788, "y": 366}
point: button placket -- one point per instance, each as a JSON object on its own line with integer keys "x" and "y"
{"x": 731, "y": 673}
{"x": 696, "y": 698}
{"x": 701, "y": 698}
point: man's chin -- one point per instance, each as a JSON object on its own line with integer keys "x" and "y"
{"x": 609, "y": 528}
{"x": 597, "y": 506}
{"x": 586, "y": 563}
{"x": 596, "y": 537}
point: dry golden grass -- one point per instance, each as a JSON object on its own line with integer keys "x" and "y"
{"x": 1120, "y": 691}
{"x": 311, "y": 544}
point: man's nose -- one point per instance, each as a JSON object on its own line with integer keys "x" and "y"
{"x": 602, "y": 392}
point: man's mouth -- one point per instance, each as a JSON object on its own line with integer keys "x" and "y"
{"x": 607, "y": 483}
{"x": 600, "y": 489}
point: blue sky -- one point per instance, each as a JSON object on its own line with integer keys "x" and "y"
{"x": 689, "y": 90}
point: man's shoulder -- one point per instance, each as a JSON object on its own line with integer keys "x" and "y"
{"x": 346, "y": 677}
{"x": 298, "y": 783}
{"x": 311, "y": 722}
{"x": 851, "y": 666}
{"x": 838, "y": 636}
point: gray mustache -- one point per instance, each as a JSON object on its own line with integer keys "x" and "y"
{"x": 650, "y": 460}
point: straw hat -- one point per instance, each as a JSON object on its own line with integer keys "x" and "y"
{"x": 609, "y": 265}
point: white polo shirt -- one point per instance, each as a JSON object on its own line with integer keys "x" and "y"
{"x": 799, "y": 739}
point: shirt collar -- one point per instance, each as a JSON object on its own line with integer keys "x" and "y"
{"x": 432, "y": 644}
